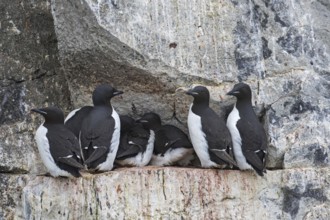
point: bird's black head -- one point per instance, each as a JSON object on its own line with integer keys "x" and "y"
{"x": 126, "y": 122}
{"x": 52, "y": 115}
{"x": 241, "y": 91}
{"x": 150, "y": 121}
{"x": 103, "y": 94}
{"x": 201, "y": 94}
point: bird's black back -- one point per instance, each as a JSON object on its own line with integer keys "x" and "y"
{"x": 139, "y": 135}
{"x": 63, "y": 143}
{"x": 215, "y": 129}
{"x": 252, "y": 134}
{"x": 97, "y": 130}
{"x": 216, "y": 132}
{"x": 172, "y": 136}
{"x": 75, "y": 122}
{"x": 136, "y": 134}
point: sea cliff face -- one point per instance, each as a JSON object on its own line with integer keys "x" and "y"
{"x": 55, "y": 53}
{"x": 173, "y": 193}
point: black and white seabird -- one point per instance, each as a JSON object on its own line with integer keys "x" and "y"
{"x": 172, "y": 145}
{"x": 75, "y": 119}
{"x": 100, "y": 131}
{"x": 248, "y": 135}
{"x": 208, "y": 132}
{"x": 58, "y": 146}
{"x": 136, "y": 143}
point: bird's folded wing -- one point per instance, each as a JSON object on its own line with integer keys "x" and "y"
{"x": 64, "y": 145}
{"x": 131, "y": 151}
{"x": 69, "y": 160}
{"x": 223, "y": 155}
{"x": 139, "y": 132}
{"x": 98, "y": 152}
{"x": 253, "y": 159}
{"x": 168, "y": 145}
{"x": 252, "y": 143}
{"x": 97, "y": 129}
{"x": 75, "y": 119}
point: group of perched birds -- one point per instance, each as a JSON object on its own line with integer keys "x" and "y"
{"x": 96, "y": 137}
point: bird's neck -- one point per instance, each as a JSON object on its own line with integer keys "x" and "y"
{"x": 198, "y": 107}
{"x": 245, "y": 104}
{"x": 201, "y": 102}
{"x": 155, "y": 127}
{"x": 101, "y": 101}
{"x": 58, "y": 120}
{"x": 49, "y": 123}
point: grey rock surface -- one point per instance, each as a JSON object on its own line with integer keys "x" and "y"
{"x": 55, "y": 52}
{"x": 11, "y": 189}
{"x": 280, "y": 48}
{"x": 30, "y": 76}
{"x": 176, "y": 193}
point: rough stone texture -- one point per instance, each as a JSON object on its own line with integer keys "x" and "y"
{"x": 149, "y": 49}
{"x": 178, "y": 193}
{"x": 11, "y": 189}
{"x": 298, "y": 125}
{"x": 55, "y": 52}
{"x": 30, "y": 77}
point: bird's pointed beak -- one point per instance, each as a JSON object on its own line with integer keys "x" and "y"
{"x": 39, "y": 111}
{"x": 232, "y": 92}
{"x": 141, "y": 121}
{"x": 117, "y": 93}
{"x": 191, "y": 92}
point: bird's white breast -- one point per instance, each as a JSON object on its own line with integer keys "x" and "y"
{"x": 236, "y": 138}
{"x": 146, "y": 157}
{"x": 198, "y": 139}
{"x": 171, "y": 156}
{"x": 44, "y": 151}
{"x": 114, "y": 143}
